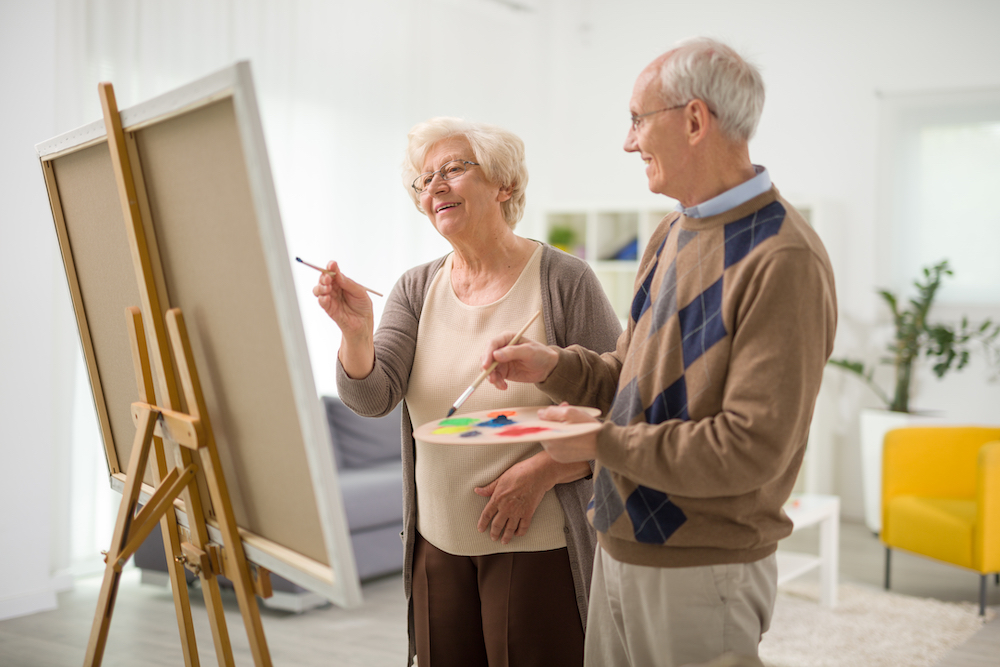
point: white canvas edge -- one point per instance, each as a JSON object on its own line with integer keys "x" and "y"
{"x": 216, "y": 85}
{"x": 315, "y": 429}
{"x": 236, "y": 81}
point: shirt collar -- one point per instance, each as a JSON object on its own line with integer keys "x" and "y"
{"x": 731, "y": 198}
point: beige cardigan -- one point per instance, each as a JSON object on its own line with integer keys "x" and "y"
{"x": 575, "y": 311}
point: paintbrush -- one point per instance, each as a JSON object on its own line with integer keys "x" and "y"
{"x": 333, "y": 273}
{"x": 482, "y": 376}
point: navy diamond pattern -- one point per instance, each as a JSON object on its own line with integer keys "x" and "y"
{"x": 641, "y": 301}
{"x": 607, "y": 504}
{"x": 672, "y": 403}
{"x": 747, "y": 233}
{"x": 701, "y": 323}
{"x": 654, "y": 517}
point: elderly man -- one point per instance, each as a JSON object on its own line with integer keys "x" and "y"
{"x": 711, "y": 389}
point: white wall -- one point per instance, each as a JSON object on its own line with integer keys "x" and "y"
{"x": 824, "y": 65}
{"x": 340, "y": 83}
{"x": 33, "y": 335}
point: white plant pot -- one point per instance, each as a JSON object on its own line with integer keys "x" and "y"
{"x": 875, "y": 424}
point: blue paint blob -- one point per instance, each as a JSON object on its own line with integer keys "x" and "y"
{"x": 470, "y": 434}
{"x": 497, "y": 422}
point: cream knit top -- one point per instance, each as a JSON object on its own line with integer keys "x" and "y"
{"x": 450, "y": 340}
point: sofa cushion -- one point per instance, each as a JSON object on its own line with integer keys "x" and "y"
{"x": 373, "y": 496}
{"x": 359, "y": 441}
{"x": 941, "y": 528}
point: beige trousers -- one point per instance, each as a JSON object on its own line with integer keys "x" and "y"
{"x": 669, "y": 617}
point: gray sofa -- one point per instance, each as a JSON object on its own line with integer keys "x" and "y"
{"x": 370, "y": 470}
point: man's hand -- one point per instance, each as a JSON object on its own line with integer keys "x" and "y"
{"x": 525, "y": 361}
{"x": 567, "y": 450}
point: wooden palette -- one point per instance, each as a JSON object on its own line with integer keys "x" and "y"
{"x": 507, "y": 425}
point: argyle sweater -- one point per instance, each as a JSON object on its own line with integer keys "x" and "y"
{"x": 710, "y": 391}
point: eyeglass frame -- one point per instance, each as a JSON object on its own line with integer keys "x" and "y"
{"x": 441, "y": 173}
{"x": 637, "y": 118}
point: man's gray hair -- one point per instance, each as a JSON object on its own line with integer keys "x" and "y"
{"x": 499, "y": 152}
{"x": 706, "y": 69}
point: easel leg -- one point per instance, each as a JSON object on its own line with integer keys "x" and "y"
{"x": 171, "y": 535}
{"x": 178, "y": 584}
{"x": 237, "y": 568}
{"x": 168, "y": 524}
{"x": 113, "y": 571}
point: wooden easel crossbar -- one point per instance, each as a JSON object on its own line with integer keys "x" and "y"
{"x": 179, "y": 422}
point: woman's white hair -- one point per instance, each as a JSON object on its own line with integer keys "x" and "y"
{"x": 500, "y": 155}
{"x": 706, "y": 69}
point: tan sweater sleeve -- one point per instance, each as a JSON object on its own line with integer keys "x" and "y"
{"x": 782, "y": 340}
{"x": 584, "y": 377}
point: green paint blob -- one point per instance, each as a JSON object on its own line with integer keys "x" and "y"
{"x": 457, "y": 421}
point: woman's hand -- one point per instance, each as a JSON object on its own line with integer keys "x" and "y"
{"x": 514, "y": 497}
{"x": 347, "y": 303}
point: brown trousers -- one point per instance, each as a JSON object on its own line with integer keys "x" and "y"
{"x": 501, "y": 610}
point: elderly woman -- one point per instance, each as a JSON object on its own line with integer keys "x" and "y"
{"x": 498, "y": 550}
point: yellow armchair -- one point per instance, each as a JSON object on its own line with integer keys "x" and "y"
{"x": 941, "y": 497}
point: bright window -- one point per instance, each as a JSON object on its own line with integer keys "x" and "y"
{"x": 943, "y": 185}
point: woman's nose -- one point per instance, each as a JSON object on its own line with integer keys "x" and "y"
{"x": 438, "y": 184}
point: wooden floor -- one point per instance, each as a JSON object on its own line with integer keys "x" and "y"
{"x": 144, "y": 629}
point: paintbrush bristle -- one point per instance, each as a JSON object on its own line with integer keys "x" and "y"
{"x": 451, "y": 411}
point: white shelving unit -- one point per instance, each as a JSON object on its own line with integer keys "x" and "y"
{"x": 601, "y": 234}
{"x": 813, "y": 509}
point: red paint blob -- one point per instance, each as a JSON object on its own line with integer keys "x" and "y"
{"x": 522, "y": 430}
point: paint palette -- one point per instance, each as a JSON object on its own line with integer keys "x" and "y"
{"x": 507, "y": 425}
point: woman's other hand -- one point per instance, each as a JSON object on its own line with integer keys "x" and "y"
{"x": 347, "y": 303}
{"x": 514, "y": 497}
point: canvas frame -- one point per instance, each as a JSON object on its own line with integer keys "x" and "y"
{"x": 209, "y": 234}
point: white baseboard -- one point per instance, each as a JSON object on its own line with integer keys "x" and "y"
{"x": 294, "y": 602}
{"x": 62, "y": 581}
{"x": 153, "y": 577}
{"x": 30, "y": 603}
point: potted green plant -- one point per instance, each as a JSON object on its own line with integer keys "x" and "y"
{"x": 563, "y": 237}
{"x": 947, "y": 347}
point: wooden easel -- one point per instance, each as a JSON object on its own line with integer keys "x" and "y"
{"x": 184, "y": 422}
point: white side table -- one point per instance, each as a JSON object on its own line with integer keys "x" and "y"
{"x": 810, "y": 509}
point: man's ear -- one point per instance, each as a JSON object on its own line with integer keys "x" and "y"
{"x": 697, "y": 118}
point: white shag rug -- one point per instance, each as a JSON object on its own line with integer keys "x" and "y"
{"x": 868, "y": 627}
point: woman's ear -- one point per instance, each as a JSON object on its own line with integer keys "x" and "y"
{"x": 505, "y": 193}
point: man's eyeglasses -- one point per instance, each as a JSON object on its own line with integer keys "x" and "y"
{"x": 448, "y": 171}
{"x": 637, "y": 118}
